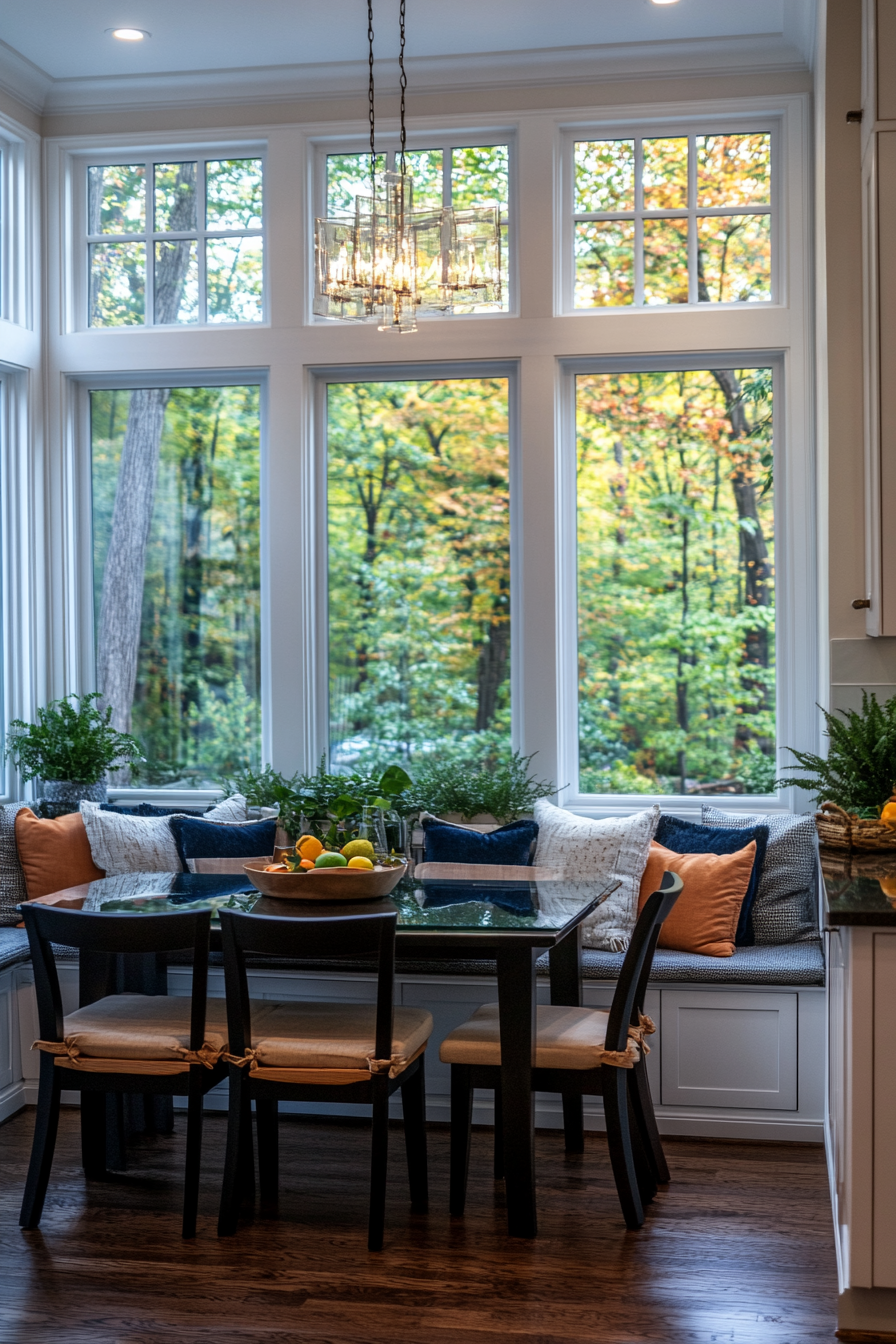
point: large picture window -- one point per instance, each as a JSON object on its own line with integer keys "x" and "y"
{"x": 672, "y": 219}
{"x": 418, "y": 494}
{"x": 175, "y": 242}
{"x": 676, "y": 582}
{"x": 175, "y": 475}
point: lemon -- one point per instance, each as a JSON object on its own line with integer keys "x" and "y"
{"x": 360, "y": 861}
{"x": 359, "y": 849}
{"x": 330, "y": 860}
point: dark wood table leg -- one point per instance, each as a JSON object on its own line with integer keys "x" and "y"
{"x": 565, "y": 960}
{"x": 516, "y": 1008}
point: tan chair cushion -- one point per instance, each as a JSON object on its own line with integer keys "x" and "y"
{"x": 130, "y": 1028}
{"x": 334, "y": 1036}
{"x": 567, "y": 1038}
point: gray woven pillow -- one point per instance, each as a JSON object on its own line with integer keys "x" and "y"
{"x": 786, "y": 905}
{"x": 12, "y": 879}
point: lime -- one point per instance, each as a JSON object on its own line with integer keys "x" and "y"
{"x": 358, "y": 849}
{"x": 330, "y": 860}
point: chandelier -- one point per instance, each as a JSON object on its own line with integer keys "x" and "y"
{"x": 386, "y": 261}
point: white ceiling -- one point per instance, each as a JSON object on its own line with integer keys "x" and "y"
{"x": 54, "y": 45}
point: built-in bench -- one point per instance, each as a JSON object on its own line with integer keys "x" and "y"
{"x": 739, "y": 1052}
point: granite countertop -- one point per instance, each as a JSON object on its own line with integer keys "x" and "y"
{"x": 854, "y": 888}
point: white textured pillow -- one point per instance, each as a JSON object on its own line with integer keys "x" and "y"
{"x": 121, "y": 844}
{"x": 614, "y": 848}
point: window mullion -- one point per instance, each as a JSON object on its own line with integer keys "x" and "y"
{"x": 150, "y": 314}
{"x": 693, "y": 287}
{"x": 639, "y": 223}
{"x": 201, "y": 221}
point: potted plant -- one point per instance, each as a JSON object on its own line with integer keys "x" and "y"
{"x": 853, "y": 784}
{"x": 69, "y": 749}
{"x": 484, "y": 791}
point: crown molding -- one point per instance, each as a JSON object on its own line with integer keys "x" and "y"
{"x": 25, "y": 81}
{"x": 764, "y": 53}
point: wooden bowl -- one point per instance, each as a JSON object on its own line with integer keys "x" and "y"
{"x": 325, "y": 884}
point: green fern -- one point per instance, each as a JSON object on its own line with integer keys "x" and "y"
{"x": 860, "y": 768}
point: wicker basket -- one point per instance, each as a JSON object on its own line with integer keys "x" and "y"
{"x": 838, "y": 829}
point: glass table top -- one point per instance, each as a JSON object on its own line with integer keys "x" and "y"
{"x": 428, "y": 904}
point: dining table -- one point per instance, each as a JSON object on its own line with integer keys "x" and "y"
{"x": 508, "y": 920}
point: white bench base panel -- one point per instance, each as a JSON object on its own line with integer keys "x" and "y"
{"x": 727, "y": 1062}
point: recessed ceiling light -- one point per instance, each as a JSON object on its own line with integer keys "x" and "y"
{"x": 665, "y": 2}
{"x": 138, "y": 34}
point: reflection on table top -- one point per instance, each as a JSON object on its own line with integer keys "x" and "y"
{"x": 427, "y": 904}
{"x": 859, "y": 888}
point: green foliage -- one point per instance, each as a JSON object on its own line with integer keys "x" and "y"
{"x": 756, "y": 771}
{"x": 419, "y": 567}
{"x": 197, "y": 701}
{"x": 72, "y": 739}
{"x": 620, "y": 777}
{"x": 859, "y": 772}
{"x": 504, "y": 788}
{"x": 676, "y": 629}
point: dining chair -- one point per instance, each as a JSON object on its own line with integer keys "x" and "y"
{"x": 122, "y": 1043}
{"x": 320, "y": 1052}
{"x": 578, "y": 1052}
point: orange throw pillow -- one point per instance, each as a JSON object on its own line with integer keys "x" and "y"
{"x": 53, "y": 854}
{"x": 704, "y": 918}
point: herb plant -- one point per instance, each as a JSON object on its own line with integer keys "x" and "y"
{"x": 505, "y": 789}
{"x": 73, "y": 739}
{"x": 859, "y": 772}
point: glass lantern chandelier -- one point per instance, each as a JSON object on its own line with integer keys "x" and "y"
{"x": 387, "y": 261}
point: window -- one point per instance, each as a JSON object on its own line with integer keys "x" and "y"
{"x": 463, "y": 177}
{"x": 418, "y": 510}
{"x": 175, "y": 476}
{"x": 672, "y": 219}
{"x": 175, "y": 242}
{"x": 676, "y": 581}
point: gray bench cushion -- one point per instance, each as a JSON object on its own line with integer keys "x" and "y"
{"x": 789, "y": 964}
{"x": 13, "y": 948}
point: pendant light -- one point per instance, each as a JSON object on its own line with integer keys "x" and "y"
{"x": 385, "y": 261}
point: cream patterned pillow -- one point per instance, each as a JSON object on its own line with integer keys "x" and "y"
{"x": 122, "y": 844}
{"x": 588, "y": 851}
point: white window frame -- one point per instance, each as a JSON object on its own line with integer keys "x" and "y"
{"x": 318, "y": 664}
{"x": 689, "y": 127}
{"x": 788, "y": 581}
{"x": 166, "y": 153}
{"x": 538, "y": 336}
{"x": 389, "y": 146}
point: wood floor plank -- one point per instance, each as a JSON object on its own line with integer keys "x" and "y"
{"x": 737, "y": 1250}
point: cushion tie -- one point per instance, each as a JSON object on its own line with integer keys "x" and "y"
{"x": 207, "y": 1055}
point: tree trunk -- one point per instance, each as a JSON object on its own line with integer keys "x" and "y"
{"x": 492, "y": 671}
{"x": 121, "y": 607}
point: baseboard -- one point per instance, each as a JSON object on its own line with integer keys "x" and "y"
{"x": 12, "y": 1099}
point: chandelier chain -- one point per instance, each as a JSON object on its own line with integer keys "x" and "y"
{"x": 370, "y": 110}
{"x": 403, "y": 82}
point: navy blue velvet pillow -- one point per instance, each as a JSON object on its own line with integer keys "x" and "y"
{"x": 199, "y": 839}
{"x": 688, "y": 837}
{"x": 444, "y": 843}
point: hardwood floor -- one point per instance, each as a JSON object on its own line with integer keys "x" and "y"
{"x": 738, "y": 1250}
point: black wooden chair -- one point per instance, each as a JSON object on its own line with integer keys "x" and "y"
{"x": 337, "y": 1052}
{"x": 579, "y": 1052}
{"x": 123, "y": 1043}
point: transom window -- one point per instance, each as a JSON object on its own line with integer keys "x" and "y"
{"x": 465, "y": 177}
{"x": 677, "y": 219}
{"x": 175, "y": 242}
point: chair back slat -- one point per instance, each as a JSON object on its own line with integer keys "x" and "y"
{"x": 371, "y": 933}
{"x": 628, "y": 1000}
{"x": 125, "y": 934}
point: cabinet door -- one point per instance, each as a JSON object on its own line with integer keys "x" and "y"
{"x": 729, "y": 1048}
{"x": 884, "y": 1210}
